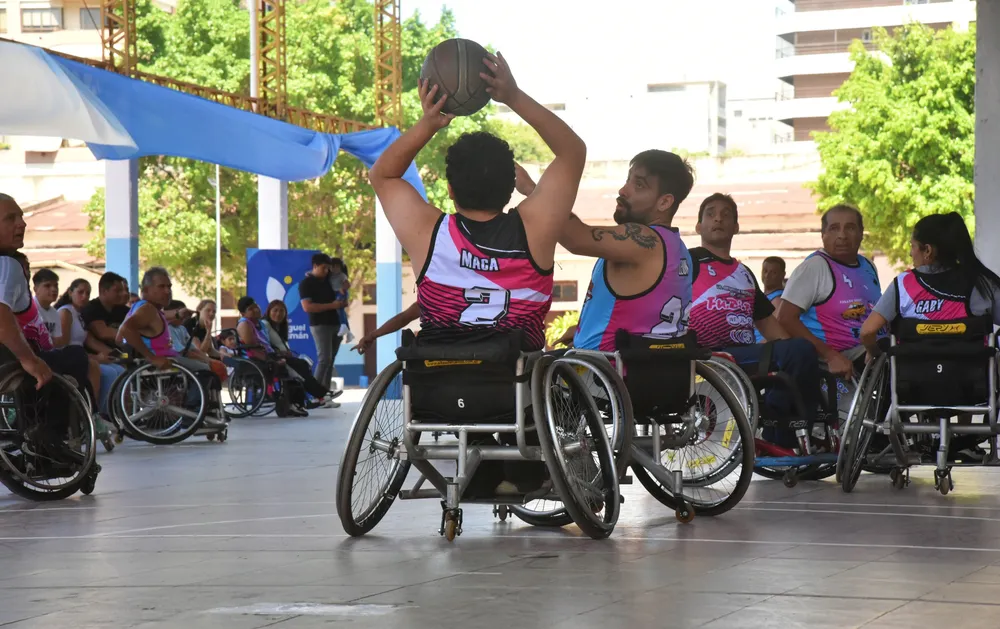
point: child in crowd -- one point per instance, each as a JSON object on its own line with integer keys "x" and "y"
{"x": 46, "y": 285}
{"x": 342, "y": 286}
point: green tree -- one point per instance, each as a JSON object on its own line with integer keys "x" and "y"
{"x": 905, "y": 147}
{"x": 330, "y": 70}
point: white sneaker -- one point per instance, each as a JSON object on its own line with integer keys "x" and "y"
{"x": 331, "y": 404}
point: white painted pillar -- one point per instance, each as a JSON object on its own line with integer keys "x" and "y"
{"x": 272, "y": 213}
{"x": 987, "y": 168}
{"x": 121, "y": 219}
{"x": 389, "y": 285}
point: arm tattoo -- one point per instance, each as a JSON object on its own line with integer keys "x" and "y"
{"x": 633, "y": 232}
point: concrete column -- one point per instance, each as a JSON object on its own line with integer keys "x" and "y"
{"x": 987, "y": 169}
{"x": 272, "y": 213}
{"x": 389, "y": 284}
{"x": 121, "y": 219}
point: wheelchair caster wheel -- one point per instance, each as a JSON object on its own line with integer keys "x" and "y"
{"x": 790, "y": 479}
{"x": 451, "y": 524}
{"x": 210, "y": 436}
{"x": 501, "y": 512}
{"x": 223, "y": 436}
{"x": 684, "y": 513}
{"x": 898, "y": 478}
{"x": 943, "y": 482}
{"x": 108, "y": 443}
{"x": 88, "y": 485}
{"x": 119, "y": 438}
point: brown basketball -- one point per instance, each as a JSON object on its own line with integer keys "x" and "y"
{"x": 454, "y": 66}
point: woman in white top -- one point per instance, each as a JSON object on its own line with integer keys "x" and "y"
{"x": 69, "y": 306}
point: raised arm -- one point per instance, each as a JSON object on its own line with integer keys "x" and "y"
{"x": 412, "y": 219}
{"x": 550, "y": 202}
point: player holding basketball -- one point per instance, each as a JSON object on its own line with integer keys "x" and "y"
{"x": 482, "y": 269}
{"x": 642, "y": 279}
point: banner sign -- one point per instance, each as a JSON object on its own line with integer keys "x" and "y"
{"x": 274, "y": 274}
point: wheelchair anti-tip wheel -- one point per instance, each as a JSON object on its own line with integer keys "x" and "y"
{"x": 162, "y": 406}
{"x": 867, "y": 410}
{"x": 575, "y": 446}
{"x": 47, "y": 437}
{"x": 370, "y": 474}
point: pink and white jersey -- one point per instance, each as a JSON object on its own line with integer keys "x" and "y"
{"x": 917, "y": 300}
{"x": 33, "y": 327}
{"x": 480, "y": 274}
{"x": 723, "y": 298}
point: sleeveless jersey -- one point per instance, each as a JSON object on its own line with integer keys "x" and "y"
{"x": 161, "y": 344}
{"x": 837, "y": 320}
{"x": 661, "y": 310}
{"x": 480, "y": 274}
{"x": 722, "y": 303}
{"x": 916, "y": 299}
{"x": 262, "y": 338}
{"x": 757, "y": 336}
{"x": 33, "y": 327}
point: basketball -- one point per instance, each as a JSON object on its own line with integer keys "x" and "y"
{"x": 454, "y": 66}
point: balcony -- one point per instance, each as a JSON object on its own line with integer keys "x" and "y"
{"x": 788, "y": 110}
{"x": 828, "y": 63}
{"x": 962, "y": 11}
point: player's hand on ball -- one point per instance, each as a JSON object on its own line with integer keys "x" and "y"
{"x": 502, "y": 86}
{"x": 432, "y": 105}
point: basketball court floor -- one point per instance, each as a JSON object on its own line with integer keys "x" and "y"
{"x": 245, "y": 535}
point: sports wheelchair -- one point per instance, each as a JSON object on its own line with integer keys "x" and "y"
{"x": 258, "y": 387}
{"x": 47, "y": 437}
{"x": 686, "y": 430}
{"x": 484, "y": 392}
{"x": 923, "y": 392}
{"x": 166, "y": 406}
{"x": 813, "y": 456}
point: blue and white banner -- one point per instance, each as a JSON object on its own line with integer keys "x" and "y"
{"x": 274, "y": 274}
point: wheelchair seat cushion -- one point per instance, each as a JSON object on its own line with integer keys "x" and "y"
{"x": 473, "y": 346}
{"x": 658, "y": 372}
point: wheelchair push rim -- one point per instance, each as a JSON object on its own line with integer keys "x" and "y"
{"x": 867, "y": 405}
{"x": 246, "y": 381}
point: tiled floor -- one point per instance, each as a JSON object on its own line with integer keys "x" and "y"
{"x": 245, "y": 535}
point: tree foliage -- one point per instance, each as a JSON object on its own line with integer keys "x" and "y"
{"x": 331, "y": 65}
{"x": 905, "y": 146}
{"x": 559, "y": 326}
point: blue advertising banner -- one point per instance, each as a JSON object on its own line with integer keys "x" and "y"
{"x": 275, "y": 274}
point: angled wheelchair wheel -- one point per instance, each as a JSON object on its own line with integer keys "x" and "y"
{"x": 162, "y": 406}
{"x": 739, "y": 382}
{"x": 47, "y": 438}
{"x": 575, "y": 446}
{"x": 371, "y": 474}
{"x": 869, "y": 406}
{"x": 716, "y": 464}
{"x": 247, "y": 388}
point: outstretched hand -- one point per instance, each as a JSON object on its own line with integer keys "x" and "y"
{"x": 432, "y": 107}
{"x": 502, "y": 86}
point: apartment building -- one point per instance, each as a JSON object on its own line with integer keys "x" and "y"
{"x": 813, "y": 38}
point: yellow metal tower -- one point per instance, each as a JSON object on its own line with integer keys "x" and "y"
{"x": 272, "y": 67}
{"x": 120, "y": 51}
{"x": 388, "y": 64}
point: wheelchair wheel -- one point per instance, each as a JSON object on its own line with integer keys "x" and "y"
{"x": 370, "y": 474}
{"x": 739, "y": 382}
{"x": 47, "y": 438}
{"x": 868, "y": 406}
{"x": 247, "y": 389}
{"x": 716, "y": 472}
{"x": 575, "y": 446}
{"x": 157, "y": 405}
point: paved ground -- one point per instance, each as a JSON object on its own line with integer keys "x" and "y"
{"x": 245, "y": 535}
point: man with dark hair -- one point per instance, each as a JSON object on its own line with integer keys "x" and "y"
{"x": 105, "y": 313}
{"x": 320, "y": 302}
{"x": 482, "y": 269}
{"x": 727, "y": 304}
{"x": 831, "y": 293}
{"x": 772, "y": 273}
{"x": 642, "y": 279}
{"x": 46, "y": 284}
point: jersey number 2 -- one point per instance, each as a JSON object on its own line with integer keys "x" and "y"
{"x": 486, "y": 306}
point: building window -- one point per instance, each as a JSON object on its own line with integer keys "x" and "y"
{"x": 564, "y": 291}
{"x": 737, "y": 113}
{"x": 42, "y": 19}
{"x": 663, "y": 87}
{"x": 368, "y": 294}
{"x": 89, "y": 19}
{"x": 3, "y": 20}
{"x": 866, "y": 36}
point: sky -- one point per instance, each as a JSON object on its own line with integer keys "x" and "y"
{"x": 556, "y": 50}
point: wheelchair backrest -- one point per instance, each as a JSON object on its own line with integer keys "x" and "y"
{"x": 658, "y": 371}
{"x": 943, "y": 363}
{"x": 461, "y": 378}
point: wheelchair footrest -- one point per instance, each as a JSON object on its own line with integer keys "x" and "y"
{"x": 825, "y": 458}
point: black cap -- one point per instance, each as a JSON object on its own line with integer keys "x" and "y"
{"x": 320, "y": 258}
{"x": 245, "y": 302}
